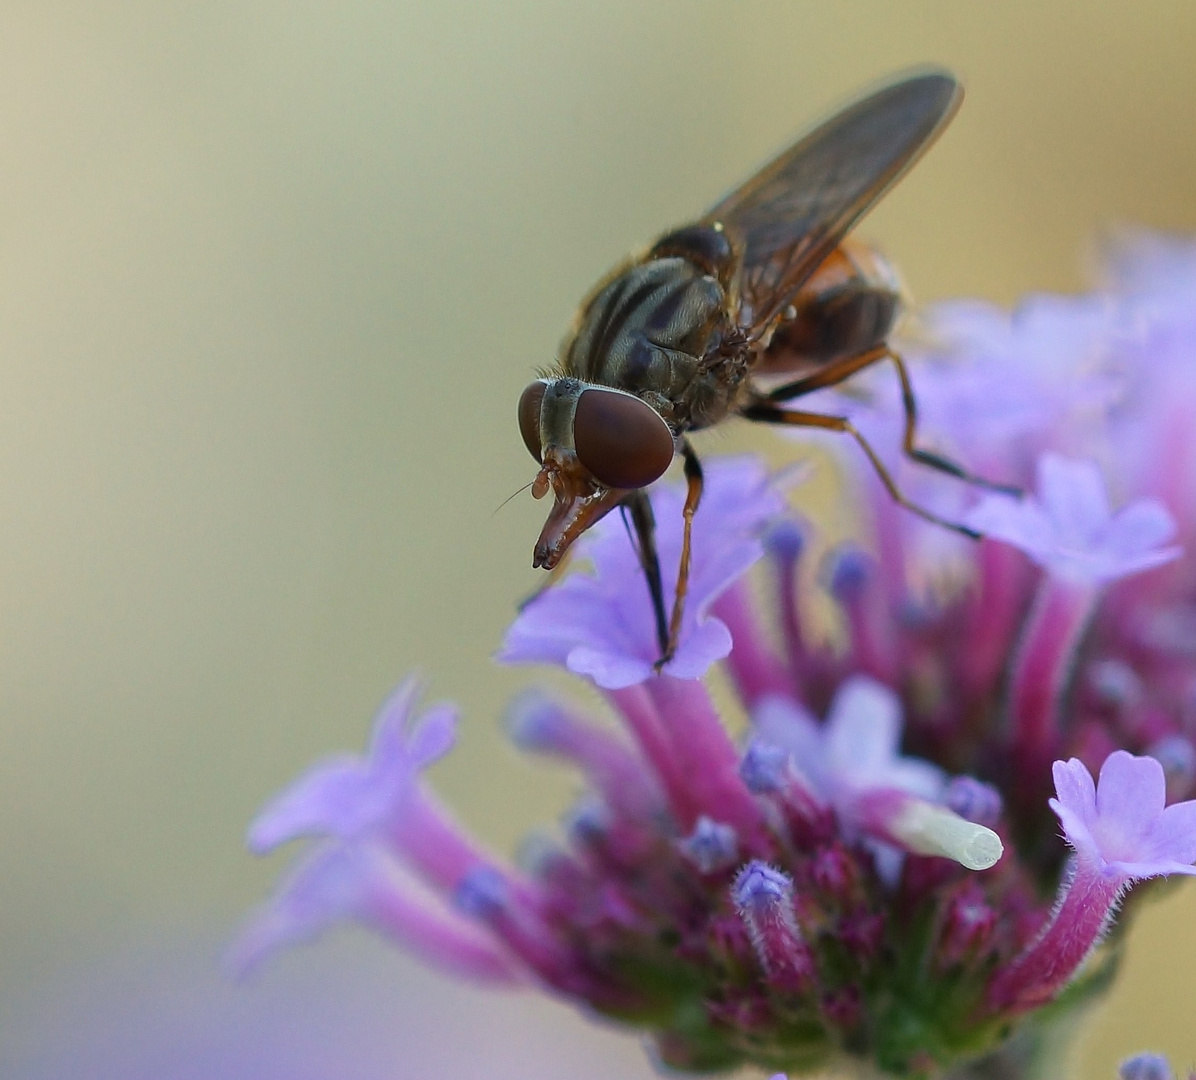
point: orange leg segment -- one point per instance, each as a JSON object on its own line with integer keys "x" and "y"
{"x": 772, "y": 414}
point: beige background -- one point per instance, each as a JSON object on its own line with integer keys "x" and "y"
{"x": 271, "y": 279}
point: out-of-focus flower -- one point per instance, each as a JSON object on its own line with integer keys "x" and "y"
{"x": 347, "y": 796}
{"x": 869, "y": 878}
{"x": 1070, "y": 530}
{"x": 1146, "y": 1067}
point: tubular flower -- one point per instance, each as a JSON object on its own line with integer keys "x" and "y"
{"x": 873, "y": 875}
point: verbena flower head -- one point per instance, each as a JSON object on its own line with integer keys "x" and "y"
{"x": 872, "y": 872}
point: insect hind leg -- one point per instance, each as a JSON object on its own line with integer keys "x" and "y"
{"x": 772, "y": 414}
{"x": 928, "y": 457}
{"x": 840, "y": 370}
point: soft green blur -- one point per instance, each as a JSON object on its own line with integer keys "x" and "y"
{"x": 271, "y": 279}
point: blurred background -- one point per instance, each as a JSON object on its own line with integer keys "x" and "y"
{"x": 272, "y": 277}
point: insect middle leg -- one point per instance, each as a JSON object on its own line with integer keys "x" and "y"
{"x": 768, "y": 413}
{"x": 838, "y": 371}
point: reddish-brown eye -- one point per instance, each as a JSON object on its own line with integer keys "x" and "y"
{"x": 622, "y": 440}
{"x": 529, "y": 418}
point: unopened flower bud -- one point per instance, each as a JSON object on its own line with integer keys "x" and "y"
{"x": 973, "y": 800}
{"x": 785, "y": 541}
{"x": 482, "y": 893}
{"x": 764, "y": 767}
{"x": 968, "y": 925}
{"x": 862, "y": 934}
{"x": 847, "y": 573}
{"x": 834, "y": 872}
{"x": 588, "y": 822}
{"x": 712, "y": 846}
{"x": 764, "y": 897}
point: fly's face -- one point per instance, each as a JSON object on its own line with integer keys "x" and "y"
{"x": 595, "y": 444}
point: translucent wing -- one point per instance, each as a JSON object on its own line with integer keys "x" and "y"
{"x": 789, "y": 216}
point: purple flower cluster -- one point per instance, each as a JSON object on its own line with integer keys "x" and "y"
{"x": 874, "y": 872}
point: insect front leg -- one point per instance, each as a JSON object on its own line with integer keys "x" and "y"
{"x": 693, "y": 496}
{"x": 768, "y": 413}
{"x": 638, "y": 507}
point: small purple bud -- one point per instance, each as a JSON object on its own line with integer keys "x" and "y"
{"x": 482, "y": 893}
{"x": 849, "y": 570}
{"x": 968, "y": 926}
{"x": 538, "y": 853}
{"x": 764, "y": 897}
{"x": 834, "y": 872}
{"x": 759, "y": 889}
{"x": 1177, "y": 755}
{"x": 862, "y": 934}
{"x": 1146, "y": 1067}
{"x": 764, "y": 767}
{"x": 588, "y": 822}
{"x": 973, "y": 799}
{"x": 712, "y": 846}
{"x": 533, "y": 721}
{"x": 785, "y": 541}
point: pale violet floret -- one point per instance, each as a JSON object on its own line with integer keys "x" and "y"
{"x": 1042, "y": 372}
{"x": 1070, "y": 529}
{"x": 1155, "y": 270}
{"x": 857, "y": 749}
{"x": 995, "y": 385}
{"x": 1121, "y": 824}
{"x": 358, "y": 881}
{"x": 347, "y": 794}
{"x": 1122, "y": 831}
{"x": 600, "y": 624}
{"x": 854, "y": 763}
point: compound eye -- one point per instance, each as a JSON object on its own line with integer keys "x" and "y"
{"x": 529, "y": 417}
{"x": 622, "y": 440}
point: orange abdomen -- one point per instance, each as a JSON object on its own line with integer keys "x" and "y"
{"x": 847, "y": 307}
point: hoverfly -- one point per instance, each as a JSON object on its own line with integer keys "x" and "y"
{"x": 764, "y": 289}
